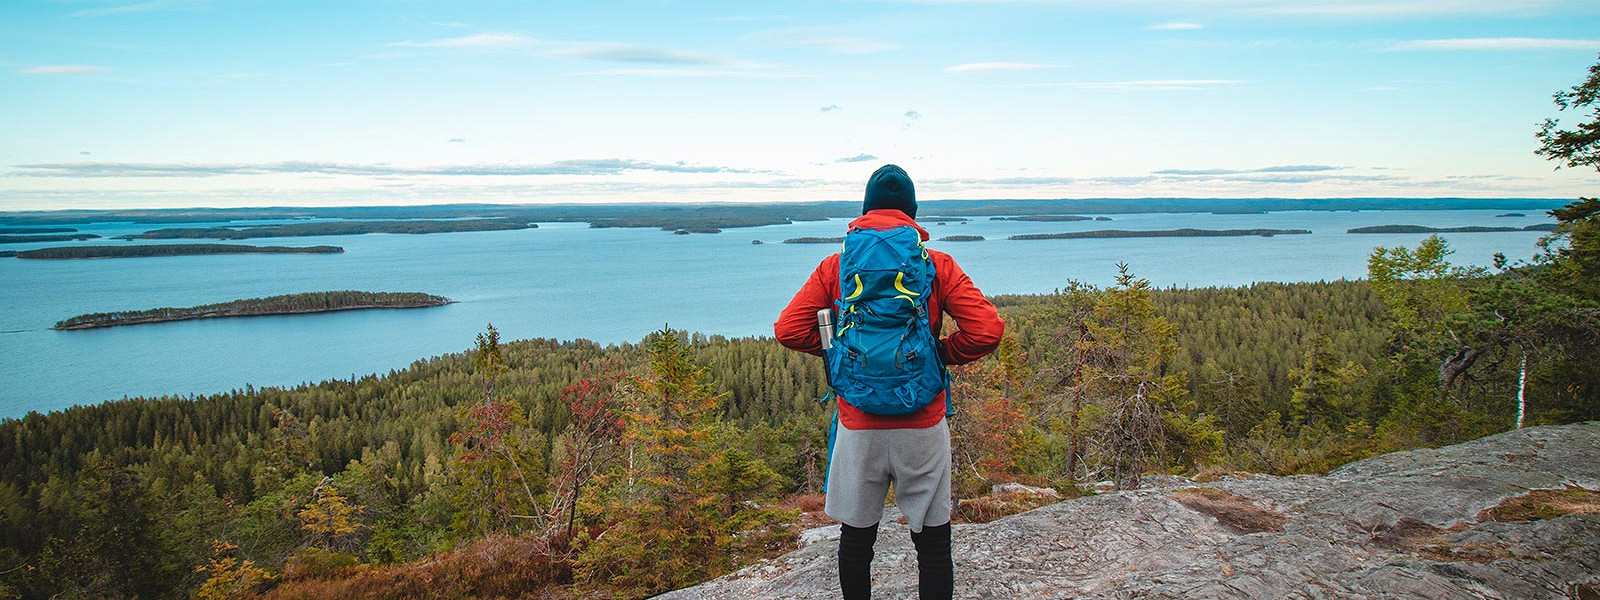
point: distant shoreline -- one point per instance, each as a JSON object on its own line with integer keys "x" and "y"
{"x": 30, "y": 239}
{"x": 1470, "y": 229}
{"x": 672, "y": 217}
{"x": 329, "y": 228}
{"x": 148, "y": 250}
{"x": 1122, "y": 233}
{"x": 288, "y": 304}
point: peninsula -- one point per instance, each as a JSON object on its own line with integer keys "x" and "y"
{"x": 1121, "y": 233}
{"x": 242, "y": 232}
{"x": 1471, "y": 229}
{"x": 35, "y": 230}
{"x": 312, "y": 302}
{"x": 63, "y": 237}
{"x": 71, "y": 252}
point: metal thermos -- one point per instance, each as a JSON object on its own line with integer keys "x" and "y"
{"x": 825, "y": 327}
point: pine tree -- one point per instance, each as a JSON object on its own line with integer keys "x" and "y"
{"x": 678, "y": 511}
{"x": 1146, "y": 422}
{"x": 499, "y": 462}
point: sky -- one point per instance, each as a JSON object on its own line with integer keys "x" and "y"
{"x": 222, "y": 103}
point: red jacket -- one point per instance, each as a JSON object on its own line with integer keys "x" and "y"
{"x": 979, "y": 326}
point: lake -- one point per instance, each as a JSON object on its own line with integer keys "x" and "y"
{"x": 566, "y": 281}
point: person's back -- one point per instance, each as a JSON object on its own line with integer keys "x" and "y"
{"x": 912, "y": 451}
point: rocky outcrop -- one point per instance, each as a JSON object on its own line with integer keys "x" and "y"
{"x": 1508, "y": 516}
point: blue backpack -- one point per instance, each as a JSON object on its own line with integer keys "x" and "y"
{"x": 884, "y": 358}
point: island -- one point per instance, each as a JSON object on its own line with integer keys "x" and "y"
{"x": 312, "y": 302}
{"x": 36, "y": 230}
{"x": 1120, "y": 233}
{"x": 1043, "y": 218}
{"x": 74, "y": 252}
{"x": 961, "y": 238}
{"x": 815, "y": 240}
{"x": 242, "y": 232}
{"x": 694, "y": 229}
{"x": 1471, "y": 229}
{"x": 68, "y": 237}
{"x": 1512, "y": 214}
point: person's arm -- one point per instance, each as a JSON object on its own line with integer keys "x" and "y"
{"x": 796, "y": 327}
{"x": 978, "y": 324}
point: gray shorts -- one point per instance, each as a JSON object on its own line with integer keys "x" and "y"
{"x": 864, "y": 463}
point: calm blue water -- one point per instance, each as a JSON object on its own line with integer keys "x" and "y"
{"x": 568, "y": 281}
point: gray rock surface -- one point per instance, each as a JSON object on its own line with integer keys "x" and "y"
{"x": 1402, "y": 525}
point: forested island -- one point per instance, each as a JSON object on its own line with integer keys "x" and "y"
{"x": 25, "y": 239}
{"x": 961, "y": 238}
{"x": 330, "y": 228}
{"x": 1121, "y": 233}
{"x": 312, "y": 302}
{"x": 1044, "y": 218}
{"x": 1471, "y": 229}
{"x": 815, "y": 240}
{"x": 35, "y": 230}
{"x": 142, "y": 250}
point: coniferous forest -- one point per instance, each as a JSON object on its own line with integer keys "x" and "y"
{"x": 545, "y": 469}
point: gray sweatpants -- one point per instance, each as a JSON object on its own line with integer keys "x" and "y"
{"x": 866, "y": 461}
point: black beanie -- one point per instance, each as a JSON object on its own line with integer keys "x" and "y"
{"x": 890, "y": 187}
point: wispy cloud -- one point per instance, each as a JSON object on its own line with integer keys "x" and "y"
{"x": 488, "y": 40}
{"x": 855, "y": 159}
{"x": 1503, "y": 43}
{"x": 122, "y": 8}
{"x": 832, "y": 107}
{"x": 1025, "y": 182}
{"x": 634, "y": 53}
{"x": 1175, "y": 26}
{"x": 61, "y": 70}
{"x": 825, "y": 40}
{"x": 752, "y": 18}
{"x": 689, "y": 72}
{"x": 1145, "y": 84}
{"x": 995, "y": 66}
{"x": 1398, "y": 8}
{"x": 604, "y": 166}
{"x": 1273, "y": 169}
{"x": 1318, "y": 8}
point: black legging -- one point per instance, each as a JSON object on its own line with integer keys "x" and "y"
{"x": 935, "y": 568}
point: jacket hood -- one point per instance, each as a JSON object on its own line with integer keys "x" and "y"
{"x": 887, "y": 218}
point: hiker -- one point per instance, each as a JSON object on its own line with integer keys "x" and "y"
{"x": 870, "y": 450}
